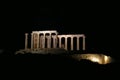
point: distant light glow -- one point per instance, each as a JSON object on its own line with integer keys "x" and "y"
{"x": 95, "y": 59}
{"x": 98, "y": 58}
{"x": 106, "y": 59}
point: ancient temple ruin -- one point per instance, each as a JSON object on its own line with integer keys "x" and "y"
{"x": 51, "y": 40}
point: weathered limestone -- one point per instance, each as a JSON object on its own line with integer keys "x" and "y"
{"x": 31, "y": 40}
{"x": 71, "y": 37}
{"x": 54, "y": 41}
{"x": 38, "y": 40}
{"x": 83, "y": 42}
{"x": 59, "y": 42}
{"x": 35, "y": 38}
{"x": 48, "y": 41}
{"x": 71, "y": 43}
{"x": 78, "y": 43}
{"x": 41, "y": 41}
{"x": 66, "y": 43}
{"x": 26, "y": 41}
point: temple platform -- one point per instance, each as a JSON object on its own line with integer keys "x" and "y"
{"x": 42, "y": 51}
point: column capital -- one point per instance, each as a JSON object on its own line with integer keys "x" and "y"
{"x": 38, "y": 33}
{"x": 77, "y": 36}
{"x": 54, "y": 36}
{"x": 84, "y": 36}
{"x": 65, "y": 37}
{"x": 31, "y": 40}
{"x": 48, "y": 36}
{"x": 72, "y": 37}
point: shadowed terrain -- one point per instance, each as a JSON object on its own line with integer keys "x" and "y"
{"x": 54, "y": 64}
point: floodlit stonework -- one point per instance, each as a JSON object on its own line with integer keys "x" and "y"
{"x": 42, "y": 41}
{"x": 98, "y": 58}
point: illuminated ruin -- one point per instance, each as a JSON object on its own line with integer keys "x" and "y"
{"x": 42, "y": 41}
{"x": 98, "y": 58}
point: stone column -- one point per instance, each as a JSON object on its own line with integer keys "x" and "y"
{"x": 34, "y": 41}
{"x": 26, "y": 41}
{"x": 48, "y": 41}
{"x": 38, "y": 40}
{"x": 54, "y": 41}
{"x": 43, "y": 41}
{"x": 71, "y": 43}
{"x": 78, "y": 43}
{"x": 31, "y": 40}
{"x": 59, "y": 42}
{"x": 66, "y": 43}
{"x": 83, "y": 42}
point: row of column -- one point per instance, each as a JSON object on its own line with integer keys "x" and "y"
{"x": 78, "y": 42}
{"x": 40, "y": 41}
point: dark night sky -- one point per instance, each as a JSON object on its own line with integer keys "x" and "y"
{"x": 98, "y": 23}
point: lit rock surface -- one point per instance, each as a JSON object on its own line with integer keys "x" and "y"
{"x": 98, "y": 58}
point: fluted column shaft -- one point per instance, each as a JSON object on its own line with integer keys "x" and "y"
{"x": 71, "y": 43}
{"x": 84, "y": 43}
{"x": 48, "y": 41}
{"x": 54, "y": 41}
{"x": 59, "y": 42}
{"x": 66, "y": 43}
{"x": 38, "y": 41}
{"x": 43, "y": 41}
{"x": 26, "y": 41}
{"x": 31, "y": 40}
{"x": 78, "y": 43}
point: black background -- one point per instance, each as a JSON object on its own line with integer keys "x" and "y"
{"x": 99, "y": 22}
